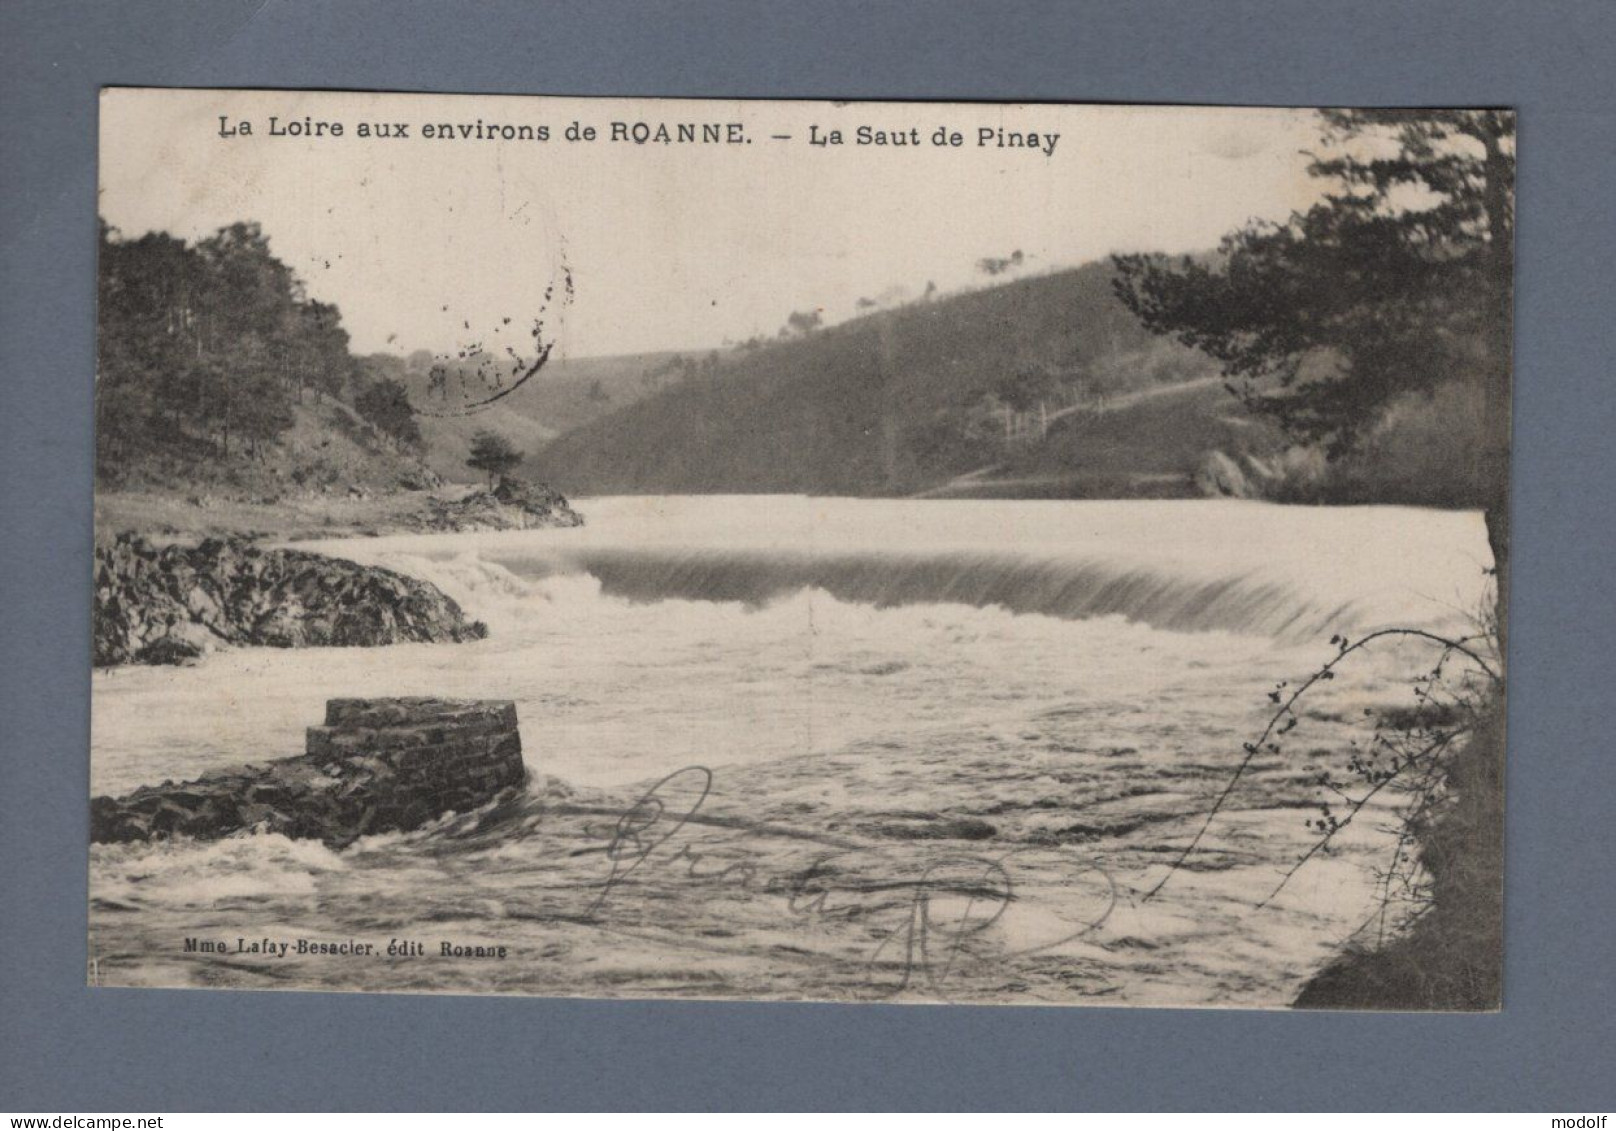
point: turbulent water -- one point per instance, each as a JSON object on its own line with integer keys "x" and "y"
{"x": 849, "y": 671}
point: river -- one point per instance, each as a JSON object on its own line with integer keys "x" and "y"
{"x": 1077, "y": 677}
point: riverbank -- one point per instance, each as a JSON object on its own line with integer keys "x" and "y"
{"x": 192, "y": 518}
{"x": 1452, "y": 957}
{"x": 176, "y": 579}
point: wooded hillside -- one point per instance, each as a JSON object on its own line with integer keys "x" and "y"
{"x": 215, "y": 369}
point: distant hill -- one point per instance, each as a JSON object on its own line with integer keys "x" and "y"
{"x": 1043, "y": 385}
{"x": 565, "y": 394}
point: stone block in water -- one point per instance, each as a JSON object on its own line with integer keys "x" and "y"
{"x": 376, "y": 765}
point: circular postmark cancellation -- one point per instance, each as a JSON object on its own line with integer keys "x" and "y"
{"x": 496, "y": 353}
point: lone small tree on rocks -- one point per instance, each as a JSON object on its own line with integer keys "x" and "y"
{"x": 493, "y": 455}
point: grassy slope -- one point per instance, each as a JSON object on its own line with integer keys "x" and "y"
{"x": 835, "y": 413}
{"x": 1146, "y": 445}
{"x": 330, "y": 473}
{"x": 171, "y": 516}
{"x": 328, "y": 449}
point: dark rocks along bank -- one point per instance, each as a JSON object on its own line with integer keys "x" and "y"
{"x": 514, "y": 504}
{"x": 164, "y": 605}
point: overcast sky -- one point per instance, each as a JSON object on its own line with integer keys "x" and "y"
{"x": 430, "y": 244}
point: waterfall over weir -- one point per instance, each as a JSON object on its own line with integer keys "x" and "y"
{"x": 1071, "y": 589}
{"x": 1289, "y": 573}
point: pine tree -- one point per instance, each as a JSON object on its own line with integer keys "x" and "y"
{"x": 493, "y": 455}
{"x": 1398, "y": 281}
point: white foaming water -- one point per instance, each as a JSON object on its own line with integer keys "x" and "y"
{"x": 673, "y": 630}
{"x": 1242, "y": 567}
{"x": 1039, "y": 663}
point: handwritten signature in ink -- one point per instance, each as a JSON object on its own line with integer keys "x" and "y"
{"x": 637, "y": 833}
{"x": 931, "y": 923}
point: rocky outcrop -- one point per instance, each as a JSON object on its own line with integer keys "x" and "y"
{"x": 170, "y": 604}
{"x": 377, "y": 765}
{"x": 514, "y": 504}
{"x": 1220, "y": 477}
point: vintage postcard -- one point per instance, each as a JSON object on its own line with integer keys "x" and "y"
{"x": 855, "y": 552}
